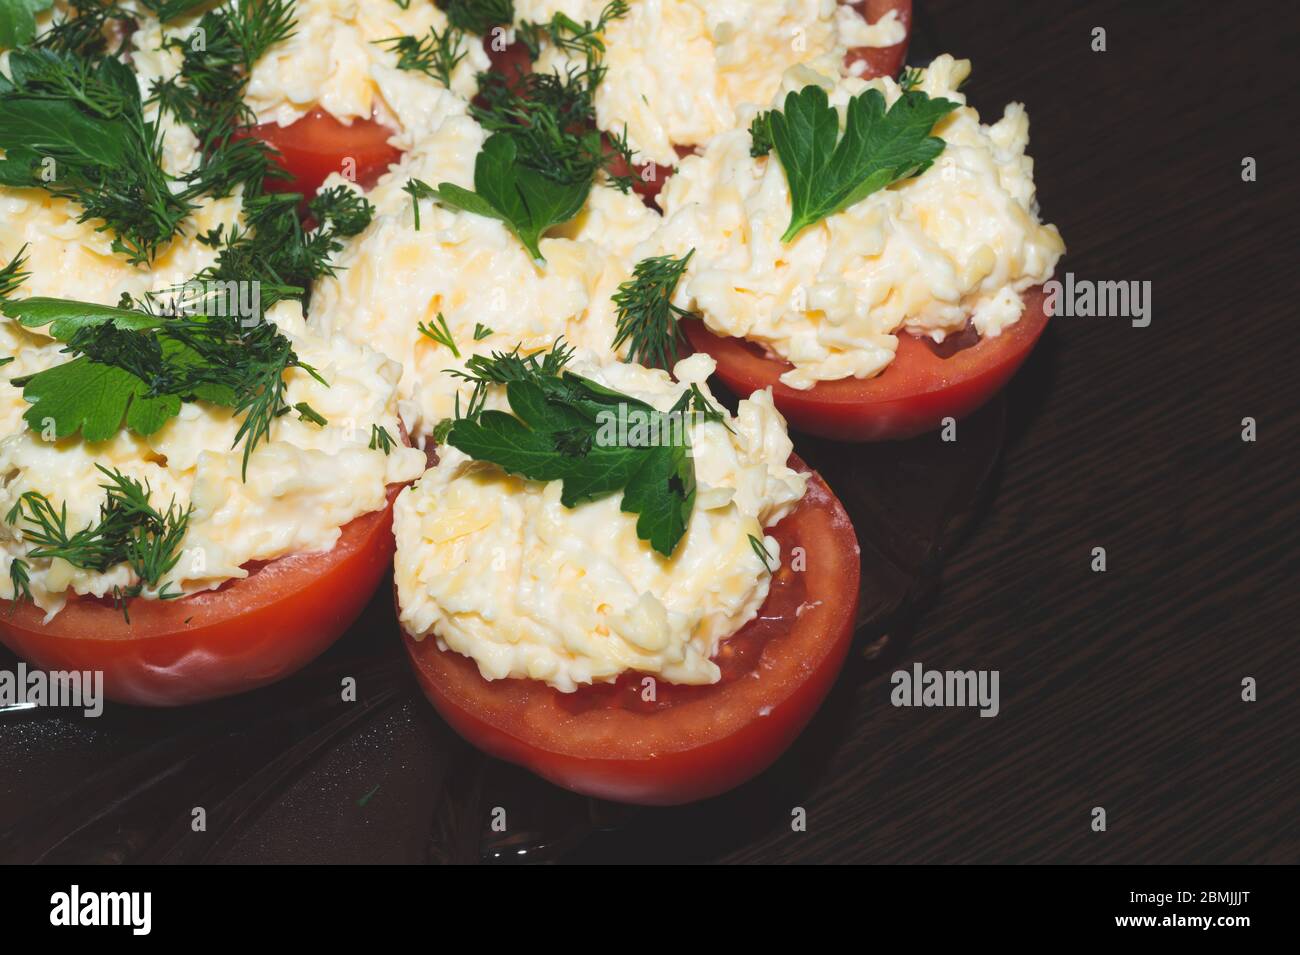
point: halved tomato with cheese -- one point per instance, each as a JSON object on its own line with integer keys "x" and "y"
{"x": 245, "y": 634}
{"x": 318, "y": 144}
{"x": 687, "y": 742}
{"x": 513, "y": 62}
{"x": 922, "y": 385}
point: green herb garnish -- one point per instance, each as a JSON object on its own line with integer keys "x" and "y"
{"x": 436, "y": 55}
{"x": 646, "y": 316}
{"x": 478, "y": 16}
{"x": 760, "y": 550}
{"x": 878, "y": 148}
{"x": 380, "y": 439}
{"x": 564, "y": 427}
{"x": 130, "y": 530}
{"x": 760, "y": 130}
{"x": 438, "y": 331}
{"x": 18, "y": 21}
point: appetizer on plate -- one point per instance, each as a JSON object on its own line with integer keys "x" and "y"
{"x": 619, "y": 584}
{"x": 335, "y": 86}
{"x": 867, "y": 249}
{"x": 675, "y": 71}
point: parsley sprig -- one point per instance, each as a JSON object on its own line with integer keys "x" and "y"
{"x": 646, "y": 318}
{"x": 562, "y": 428}
{"x": 879, "y": 147}
{"x": 537, "y": 167}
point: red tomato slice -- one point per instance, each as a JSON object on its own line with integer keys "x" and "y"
{"x": 911, "y": 396}
{"x": 883, "y": 60}
{"x": 246, "y": 634}
{"x": 318, "y": 144}
{"x": 692, "y": 742}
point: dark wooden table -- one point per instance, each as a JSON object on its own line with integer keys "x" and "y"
{"x": 1119, "y": 689}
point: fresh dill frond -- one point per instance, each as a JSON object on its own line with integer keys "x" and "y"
{"x": 436, "y": 55}
{"x": 910, "y": 78}
{"x": 646, "y": 318}
{"x": 438, "y": 331}
{"x": 567, "y": 34}
{"x": 20, "y": 581}
{"x": 380, "y": 439}
{"x": 478, "y": 16}
{"x": 12, "y": 276}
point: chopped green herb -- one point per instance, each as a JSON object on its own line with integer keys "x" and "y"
{"x": 646, "y": 317}
{"x": 559, "y": 431}
{"x": 307, "y": 413}
{"x": 481, "y": 331}
{"x": 380, "y": 439}
{"x": 418, "y": 189}
{"x": 760, "y": 131}
{"x": 878, "y": 148}
{"x": 130, "y": 530}
{"x": 910, "y": 78}
{"x": 20, "y": 581}
{"x": 436, "y": 55}
{"x": 760, "y": 549}
{"x": 478, "y": 16}
{"x": 12, "y": 275}
{"x": 439, "y": 332}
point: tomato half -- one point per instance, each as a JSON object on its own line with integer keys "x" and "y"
{"x": 318, "y": 144}
{"x": 882, "y": 60}
{"x": 914, "y": 393}
{"x": 246, "y": 634}
{"x": 691, "y": 742}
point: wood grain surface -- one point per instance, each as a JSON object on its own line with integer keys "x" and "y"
{"x": 1120, "y": 689}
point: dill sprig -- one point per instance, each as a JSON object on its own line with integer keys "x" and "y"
{"x": 436, "y": 55}
{"x": 130, "y": 530}
{"x": 478, "y": 16}
{"x": 438, "y": 331}
{"x": 380, "y": 439}
{"x": 13, "y": 275}
{"x": 567, "y": 34}
{"x": 770, "y": 564}
{"x": 760, "y": 131}
{"x": 646, "y": 318}
{"x": 910, "y": 78}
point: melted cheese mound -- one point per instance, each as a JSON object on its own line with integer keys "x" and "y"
{"x": 678, "y": 69}
{"x": 472, "y": 269}
{"x": 497, "y": 569}
{"x": 959, "y": 242}
{"x": 303, "y": 485}
{"x": 335, "y": 61}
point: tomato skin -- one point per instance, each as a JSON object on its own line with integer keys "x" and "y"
{"x": 318, "y": 144}
{"x": 883, "y": 60}
{"x": 247, "y": 634}
{"x": 911, "y": 396}
{"x": 704, "y": 747}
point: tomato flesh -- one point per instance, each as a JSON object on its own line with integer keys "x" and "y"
{"x": 881, "y": 60}
{"x": 691, "y": 742}
{"x": 246, "y": 634}
{"x": 318, "y": 144}
{"x": 913, "y": 395}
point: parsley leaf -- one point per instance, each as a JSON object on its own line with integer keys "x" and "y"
{"x": 528, "y": 201}
{"x": 18, "y": 21}
{"x": 878, "y": 148}
{"x": 564, "y": 427}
